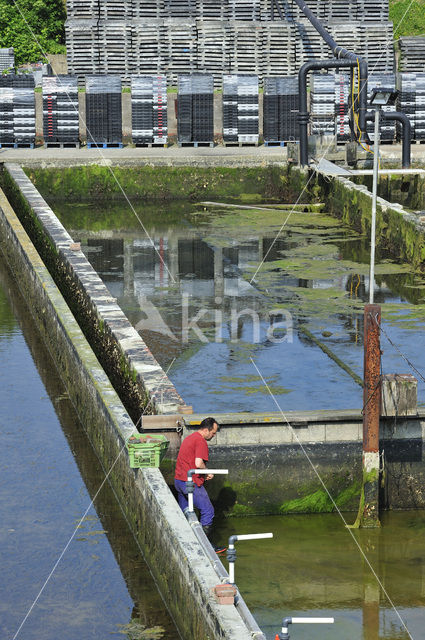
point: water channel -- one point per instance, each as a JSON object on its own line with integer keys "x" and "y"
{"x": 253, "y": 298}
{"x": 317, "y": 271}
{"x": 101, "y": 586}
{"x": 313, "y": 567}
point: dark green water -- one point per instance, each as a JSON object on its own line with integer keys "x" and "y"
{"x": 314, "y": 567}
{"x": 49, "y": 475}
{"x": 201, "y": 263}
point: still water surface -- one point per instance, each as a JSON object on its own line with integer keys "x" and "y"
{"x": 101, "y": 587}
{"x": 313, "y": 567}
{"x": 200, "y": 264}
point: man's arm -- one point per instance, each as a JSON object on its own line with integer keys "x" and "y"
{"x": 200, "y": 464}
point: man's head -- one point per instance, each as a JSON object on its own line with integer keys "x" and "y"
{"x": 208, "y": 428}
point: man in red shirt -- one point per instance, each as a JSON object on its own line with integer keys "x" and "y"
{"x": 193, "y": 454}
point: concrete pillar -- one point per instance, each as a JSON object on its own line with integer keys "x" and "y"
{"x": 173, "y": 255}
{"x": 218, "y": 273}
{"x": 126, "y": 118}
{"x": 171, "y": 114}
{"x": 128, "y": 268}
{"x": 82, "y": 112}
{"x": 39, "y": 115}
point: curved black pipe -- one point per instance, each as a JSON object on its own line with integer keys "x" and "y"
{"x": 352, "y": 59}
{"x": 406, "y": 133}
{"x": 304, "y": 115}
{"x": 341, "y": 53}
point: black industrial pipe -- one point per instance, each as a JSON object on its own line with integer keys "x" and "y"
{"x": 406, "y": 133}
{"x": 349, "y": 57}
{"x": 304, "y": 115}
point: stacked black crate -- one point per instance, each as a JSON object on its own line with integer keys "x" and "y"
{"x": 411, "y": 101}
{"x": 60, "y": 109}
{"x": 240, "y": 108}
{"x": 280, "y": 109}
{"x": 386, "y": 128}
{"x": 23, "y": 109}
{"x": 149, "y": 109}
{"x": 195, "y": 121}
{"x": 103, "y": 110}
{"x": 412, "y": 54}
{"x": 322, "y": 104}
{"x": 6, "y": 110}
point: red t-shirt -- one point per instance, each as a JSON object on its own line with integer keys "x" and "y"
{"x": 194, "y": 446}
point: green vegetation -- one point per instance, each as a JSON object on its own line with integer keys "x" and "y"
{"x": 408, "y": 17}
{"x": 33, "y": 28}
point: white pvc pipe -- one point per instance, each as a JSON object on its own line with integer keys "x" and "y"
{"x": 191, "y": 472}
{"x": 313, "y": 620}
{"x": 207, "y": 471}
{"x": 232, "y": 572}
{"x": 255, "y": 536}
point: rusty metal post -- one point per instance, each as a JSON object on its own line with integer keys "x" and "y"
{"x": 368, "y": 515}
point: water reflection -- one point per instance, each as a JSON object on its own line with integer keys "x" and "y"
{"x": 193, "y": 292}
{"x": 102, "y": 585}
{"x": 314, "y": 567}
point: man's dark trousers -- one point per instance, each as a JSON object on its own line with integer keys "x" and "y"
{"x": 200, "y": 500}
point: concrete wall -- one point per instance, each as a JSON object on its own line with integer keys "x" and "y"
{"x": 135, "y": 373}
{"x": 275, "y": 461}
{"x": 180, "y": 567}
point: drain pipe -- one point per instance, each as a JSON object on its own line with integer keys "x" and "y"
{"x": 406, "y": 133}
{"x": 240, "y": 604}
{"x": 231, "y": 551}
{"x": 287, "y": 621}
{"x": 190, "y": 485}
{"x": 304, "y": 116}
{"x": 351, "y": 59}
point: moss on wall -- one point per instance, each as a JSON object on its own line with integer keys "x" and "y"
{"x": 163, "y": 184}
{"x": 396, "y": 232}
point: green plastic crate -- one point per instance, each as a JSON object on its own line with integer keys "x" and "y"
{"x": 148, "y": 453}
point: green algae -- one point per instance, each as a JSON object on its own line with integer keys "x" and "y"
{"x": 240, "y": 384}
{"x": 136, "y": 630}
{"x": 156, "y": 184}
{"x": 320, "y": 502}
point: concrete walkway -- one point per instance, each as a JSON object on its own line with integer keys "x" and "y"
{"x": 233, "y": 156}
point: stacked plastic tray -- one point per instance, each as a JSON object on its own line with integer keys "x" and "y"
{"x": 412, "y": 54}
{"x": 240, "y": 108}
{"x": 103, "y": 110}
{"x": 60, "y": 109}
{"x": 322, "y": 104}
{"x": 149, "y": 109}
{"x": 386, "y": 129}
{"x": 411, "y": 101}
{"x": 7, "y": 59}
{"x": 195, "y": 108}
{"x": 280, "y": 109}
{"x": 341, "y": 92}
{"x": 17, "y": 108}
{"x": 264, "y": 37}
